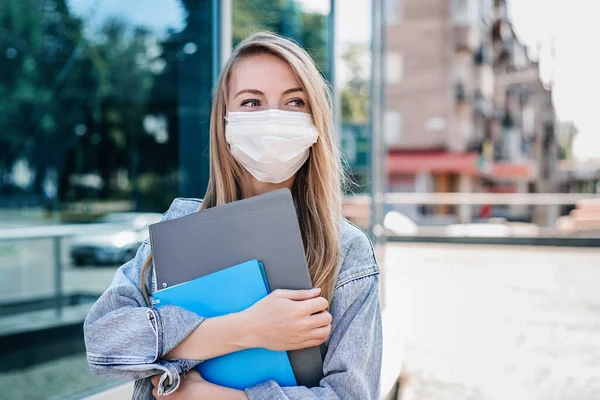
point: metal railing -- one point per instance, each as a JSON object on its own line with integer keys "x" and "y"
{"x": 538, "y": 215}
{"x": 55, "y": 233}
{"x": 480, "y": 198}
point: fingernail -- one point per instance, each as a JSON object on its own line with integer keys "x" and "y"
{"x": 316, "y": 290}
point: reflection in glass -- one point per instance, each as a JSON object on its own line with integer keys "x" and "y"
{"x": 89, "y": 125}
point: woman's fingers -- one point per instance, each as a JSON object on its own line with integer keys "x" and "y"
{"x": 297, "y": 295}
{"x": 320, "y": 319}
{"x": 320, "y": 334}
{"x": 316, "y": 305}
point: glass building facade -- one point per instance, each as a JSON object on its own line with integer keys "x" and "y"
{"x": 104, "y": 108}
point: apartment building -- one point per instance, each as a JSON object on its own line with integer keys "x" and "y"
{"x": 465, "y": 108}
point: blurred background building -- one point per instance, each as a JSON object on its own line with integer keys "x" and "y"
{"x": 466, "y": 110}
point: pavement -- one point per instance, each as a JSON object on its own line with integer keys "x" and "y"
{"x": 497, "y": 322}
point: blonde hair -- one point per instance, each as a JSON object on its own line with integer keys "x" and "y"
{"x": 317, "y": 187}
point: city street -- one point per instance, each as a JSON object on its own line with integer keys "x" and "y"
{"x": 480, "y": 322}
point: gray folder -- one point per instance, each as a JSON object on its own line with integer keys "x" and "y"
{"x": 264, "y": 228}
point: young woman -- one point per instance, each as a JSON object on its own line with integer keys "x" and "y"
{"x": 271, "y": 128}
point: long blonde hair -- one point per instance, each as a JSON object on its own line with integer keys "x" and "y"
{"x": 317, "y": 187}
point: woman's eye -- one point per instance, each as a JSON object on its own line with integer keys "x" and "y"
{"x": 296, "y": 103}
{"x": 250, "y": 103}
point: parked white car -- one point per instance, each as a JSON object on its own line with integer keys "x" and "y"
{"x": 399, "y": 224}
{"x": 113, "y": 239}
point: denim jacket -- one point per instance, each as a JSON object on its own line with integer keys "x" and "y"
{"x": 126, "y": 339}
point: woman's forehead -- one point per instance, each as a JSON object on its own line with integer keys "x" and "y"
{"x": 264, "y": 72}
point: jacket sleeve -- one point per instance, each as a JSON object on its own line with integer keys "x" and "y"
{"x": 126, "y": 339}
{"x": 352, "y": 364}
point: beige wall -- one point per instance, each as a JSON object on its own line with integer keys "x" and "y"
{"x": 424, "y": 94}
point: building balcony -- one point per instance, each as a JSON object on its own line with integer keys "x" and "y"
{"x": 482, "y": 106}
{"x": 484, "y": 81}
{"x": 461, "y": 94}
{"x": 466, "y": 38}
{"x": 501, "y": 27}
{"x": 484, "y": 55}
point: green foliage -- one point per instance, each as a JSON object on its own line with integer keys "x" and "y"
{"x": 354, "y": 96}
{"x": 250, "y": 16}
{"x": 38, "y": 57}
{"x": 285, "y": 18}
{"x": 55, "y": 82}
{"x": 74, "y": 96}
{"x": 315, "y": 38}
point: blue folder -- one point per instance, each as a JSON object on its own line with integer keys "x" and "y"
{"x": 228, "y": 291}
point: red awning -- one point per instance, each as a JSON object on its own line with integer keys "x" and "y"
{"x": 512, "y": 170}
{"x": 399, "y": 163}
{"x": 435, "y": 162}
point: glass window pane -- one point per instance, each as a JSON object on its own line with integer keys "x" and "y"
{"x": 95, "y": 98}
{"x": 353, "y": 85}
{"x": 306, "y": 21}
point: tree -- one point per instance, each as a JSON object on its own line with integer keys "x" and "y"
{"x": 123, "y": 64}
{"x": 64, "y": 93}
{"x": 253, "y": 16}
{"x": 354, "y": 96}
{"x": 43, "y": 87}
{"x": 284, "y": 17}
{"x": 315, "y": 39}
{"x": 567, "y": 130}
{"x": 75, "y": 104}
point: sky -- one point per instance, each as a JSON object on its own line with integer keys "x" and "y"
{"x": 575, "y": 68}
{"x": 352, "y": 19}
{"x": 160, "y": 16}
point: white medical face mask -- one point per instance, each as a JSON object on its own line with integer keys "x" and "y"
{"x": 272, "y": 145}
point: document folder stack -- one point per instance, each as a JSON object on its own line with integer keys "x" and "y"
{"x": 263, "y": 228}
{"x": 228, "y": 291}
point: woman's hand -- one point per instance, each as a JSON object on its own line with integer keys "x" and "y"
{"x": 284, "y": 320}
{"x": 193, "y": 387}
{"x": 288, "y": 320}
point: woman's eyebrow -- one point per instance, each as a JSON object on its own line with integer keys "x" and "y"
{"x": 298, "y": 89}
{"x": 253, "y": 91}
{"x": 258, "y": 92}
